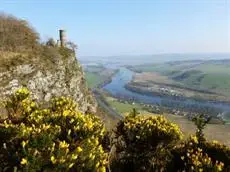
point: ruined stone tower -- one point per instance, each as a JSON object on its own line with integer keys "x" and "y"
{"x": 62, "y": 34}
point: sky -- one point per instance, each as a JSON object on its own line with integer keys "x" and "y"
{"x": 130, "y": 27}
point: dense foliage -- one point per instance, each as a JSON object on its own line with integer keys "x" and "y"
{"x": 154, "y": 144}
{"x": 57, "y": 137}
{"x": 192, "y": 155}
{"x": 139, "y": 140}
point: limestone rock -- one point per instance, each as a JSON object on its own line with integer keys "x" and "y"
{"x": 61, "y": 77}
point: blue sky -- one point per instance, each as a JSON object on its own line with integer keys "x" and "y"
{"x": 131, "y": 27}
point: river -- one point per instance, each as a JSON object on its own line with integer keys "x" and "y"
{"x": 117, "y": 89}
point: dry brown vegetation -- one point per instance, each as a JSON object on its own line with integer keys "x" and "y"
{"x": 151, "y": 76}
{"x": 19, "y": 44}
{"x": 16, "y": 35}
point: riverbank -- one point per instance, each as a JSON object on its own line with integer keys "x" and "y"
{"x": 97, "y": 76}
{"x": 158, "y": 84}
{"x": 167, "y": 92}
{"x": 118, "y": 88}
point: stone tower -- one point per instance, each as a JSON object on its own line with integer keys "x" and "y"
{"x": 62, "y": 34}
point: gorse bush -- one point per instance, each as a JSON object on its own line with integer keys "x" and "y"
{"x": 198, "y": 154}
{"x": 154, "y": 144}
{"x": 192, "y": 155}
{"x": 139, "y": 140}
{"x": 57, "y": 138}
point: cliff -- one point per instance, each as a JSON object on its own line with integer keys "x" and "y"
{"x": 47, "y": 74}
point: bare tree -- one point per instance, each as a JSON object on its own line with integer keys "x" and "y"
{"x": 51, "y": 42}
{"x": 72, "y": 45}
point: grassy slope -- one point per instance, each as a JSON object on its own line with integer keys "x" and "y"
{"x": 93, "y": 79}
{"x": 97, "y": 75}
{"x": 209, "y": 75}
{"x": 95, "y": 68}
{"x": 212, "y": 131}
{"x": 124, "y": 107}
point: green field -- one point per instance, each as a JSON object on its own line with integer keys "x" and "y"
{"x": 208, "y": 75}
{"x": 94, "y": 68}
{"x": 93, "y": 79}
{"x": 96, "y": 75}
{"x": 121, "y": 107}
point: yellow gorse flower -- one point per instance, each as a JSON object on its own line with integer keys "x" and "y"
{"x": 194, "y": 139}
{"x": 79, "y": 149}
{"x": 24, "y": 143}
{"x": 66, "y": 112}
{"x": 24, "y": 161}
{"x": 102, "y": 169}
{"x": 63, "y": 144}
{"x": 6, "y": 125}
{"x": 53, "y": 160}
{"x": 74, "y": 156}
{"x": 22, "y": 90}
{"x": 151, "y": 124}
{"x": 97, "y": 164}
{"x": 71, "y": 165}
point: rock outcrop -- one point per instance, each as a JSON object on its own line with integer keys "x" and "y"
{"x": 46, "y": 77}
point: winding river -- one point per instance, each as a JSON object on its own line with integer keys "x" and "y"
{"x": 117, "y": 89}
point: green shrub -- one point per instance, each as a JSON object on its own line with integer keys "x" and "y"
{"x": 201, "y": 121}
{"x": 57, "y": 138}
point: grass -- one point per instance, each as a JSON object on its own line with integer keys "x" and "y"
{"x": 214, "y": 68}
{"x": 221, "y": 81}
{"x": 201, "y": 75}
{"x": 121, "y": 107}
{"x": 153, "y": 67}
{"x": 97, "y": 75}
{"x": 212, "y": 131}
{"x": 216, "y": 82}
{"x": 93, "y": 80}
{"x": 206, "y": 67}
{"x": 95, "y": 68}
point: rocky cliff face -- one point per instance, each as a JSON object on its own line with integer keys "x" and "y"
{"x": 46, "y": 77}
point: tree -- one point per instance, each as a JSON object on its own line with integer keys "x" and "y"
{"x": 51, "y": 42}
{"x": 71, "y": 45}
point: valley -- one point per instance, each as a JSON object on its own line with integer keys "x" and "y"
{"x": 114, "y": 86}
{"x": 153, "y": 90}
